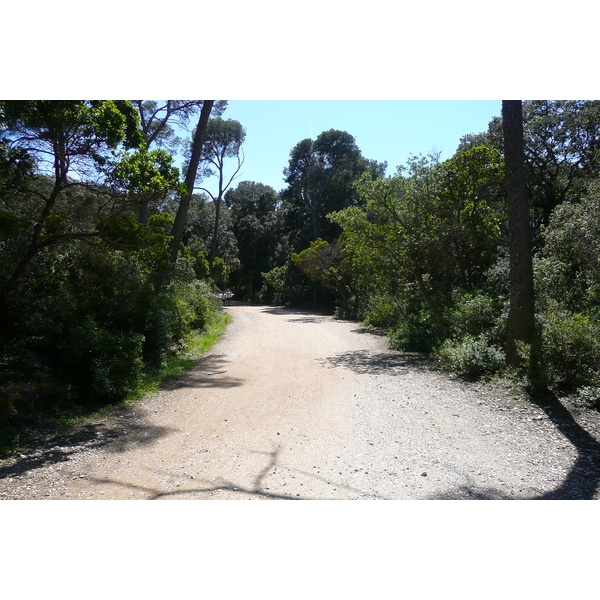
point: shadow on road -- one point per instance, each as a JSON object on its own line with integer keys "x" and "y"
{"x": 307, "y": 319}
{"x": 366, "y": 362}
{"x": 466, "y": 492}
{"x": 300, "y": 315}
{"x": 219, "y": 485}
{"x": 208, "y": 372}
{"x": 581, "y": 482}
{"x": 284, "y": 310}
{"x": 258, "y": 489}
{"x": 127, "y": 429}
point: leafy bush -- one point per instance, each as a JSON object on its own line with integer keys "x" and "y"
{"x": 589, "y": 395}
{"x": 471, "y": 357}
{"x": 570, "y": 349}
{"x": 381, "y": 311}
{"x": 173, "y": 313}
{"x": 220, "y": 271}
{"x": 416, "y": 333}
{"x": 286, "y": 284}
{"x": 99, "y": 364}
{"x": 475, "y": 314}
{"x": 274, "y": 289}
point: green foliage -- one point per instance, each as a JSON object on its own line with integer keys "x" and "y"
{"x": 471, "y": 208}
{"x": 220, "y": 271}
{"x": 106, "y": 312}
{"x": 223, "y": 139}
{"x": 90, "y": 302}
{"x": 476, "y": 313}
{"x": 285, "y": 285}
{"x": 88, "y": 296}
{"x": 257, "y": 224}
{"x": 16, "y": 166}
{"x": 381, "y": 310}
{"x": 570, "y": 349}
{"x": 172, "y": 313}
{"x": 571, "y": 251}
{"x": 201, "y": 267}
{"x": 326, "y": 264}
{"x": 320, "y": 177}
{"x": 10, "y": 224}
{"x": 99, "y": 124}
{"x": 276, "y": 288}
{"x": 416, "y": 332}
{"x": 15, "y": 428}
{"x": 471, "y": 357}
{"x": 145, "y": 176}
{"x": 97, "y": 363}
{"x": 422, "y": 244}
{"x": 589, "y": 396}
{"x": 198, "y": 233}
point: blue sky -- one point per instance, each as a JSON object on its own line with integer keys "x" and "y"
{"x": 385, "y": 130}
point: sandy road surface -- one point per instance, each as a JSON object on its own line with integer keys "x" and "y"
{"x": 301, "y": 406}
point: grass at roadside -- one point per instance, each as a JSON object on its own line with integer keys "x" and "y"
{"x": 19, "y": 431}
{"x": 195, "y": 345}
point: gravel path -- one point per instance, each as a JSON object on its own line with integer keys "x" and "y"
{"x": 293, "y": 405}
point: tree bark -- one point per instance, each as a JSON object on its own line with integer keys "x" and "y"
{"x": 521, "y": 317}
{"x": 217, "y": 201}
{"x": 190, "y": 179}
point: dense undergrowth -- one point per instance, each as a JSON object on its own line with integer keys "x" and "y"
{"x": 20, "y": 427}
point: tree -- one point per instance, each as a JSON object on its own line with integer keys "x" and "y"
{"x": 561, "y": 145}
{"x": 330, "y": 266}
{"x": 301, "y": 178}
{"x": 254, "y": 213}
{"x": 70, "y": 144}
{"x": 197, "y": 238}
{"x": 521, "y": 318}
{"x": 224, "y": 139}
{"x": 395, "y": 231}
{"x": 471, "y": 207}
{"x": 320, "y": 177}
{"x": 158, "y": 121}
{"x": 190, "y": 179}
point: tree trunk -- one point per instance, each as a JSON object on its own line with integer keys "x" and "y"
{"x": 218, "y": 200}
{"x": 190, "y": 179}
{"x": 521, "y": 317}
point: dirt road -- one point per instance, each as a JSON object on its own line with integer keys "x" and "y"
{"x": 293, "y": 405}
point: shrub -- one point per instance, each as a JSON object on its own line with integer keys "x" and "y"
{"x": 416, "y": 333}
{"x": 381, "y": 311}
{"x": 570, "y": 349}
{"x": 477, "y": 314}
{"x": 471, "y": 357}
{"x": 174, "y": 313}
{"x": 99, "y": 364}
{"x": 286, "y": 284}
{"x": 589, "y": 395}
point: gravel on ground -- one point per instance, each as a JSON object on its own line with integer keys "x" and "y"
{"x": 295, "y": 405}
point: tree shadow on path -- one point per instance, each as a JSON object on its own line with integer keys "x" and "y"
{"x": 208, "y": 372}
{"x": 366, "y": 362}
{"x": 583, "y": 480}
{"x": 127, "y": 429}
{"x": 257, "y": 489}
{"x": 122, "y": 427}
